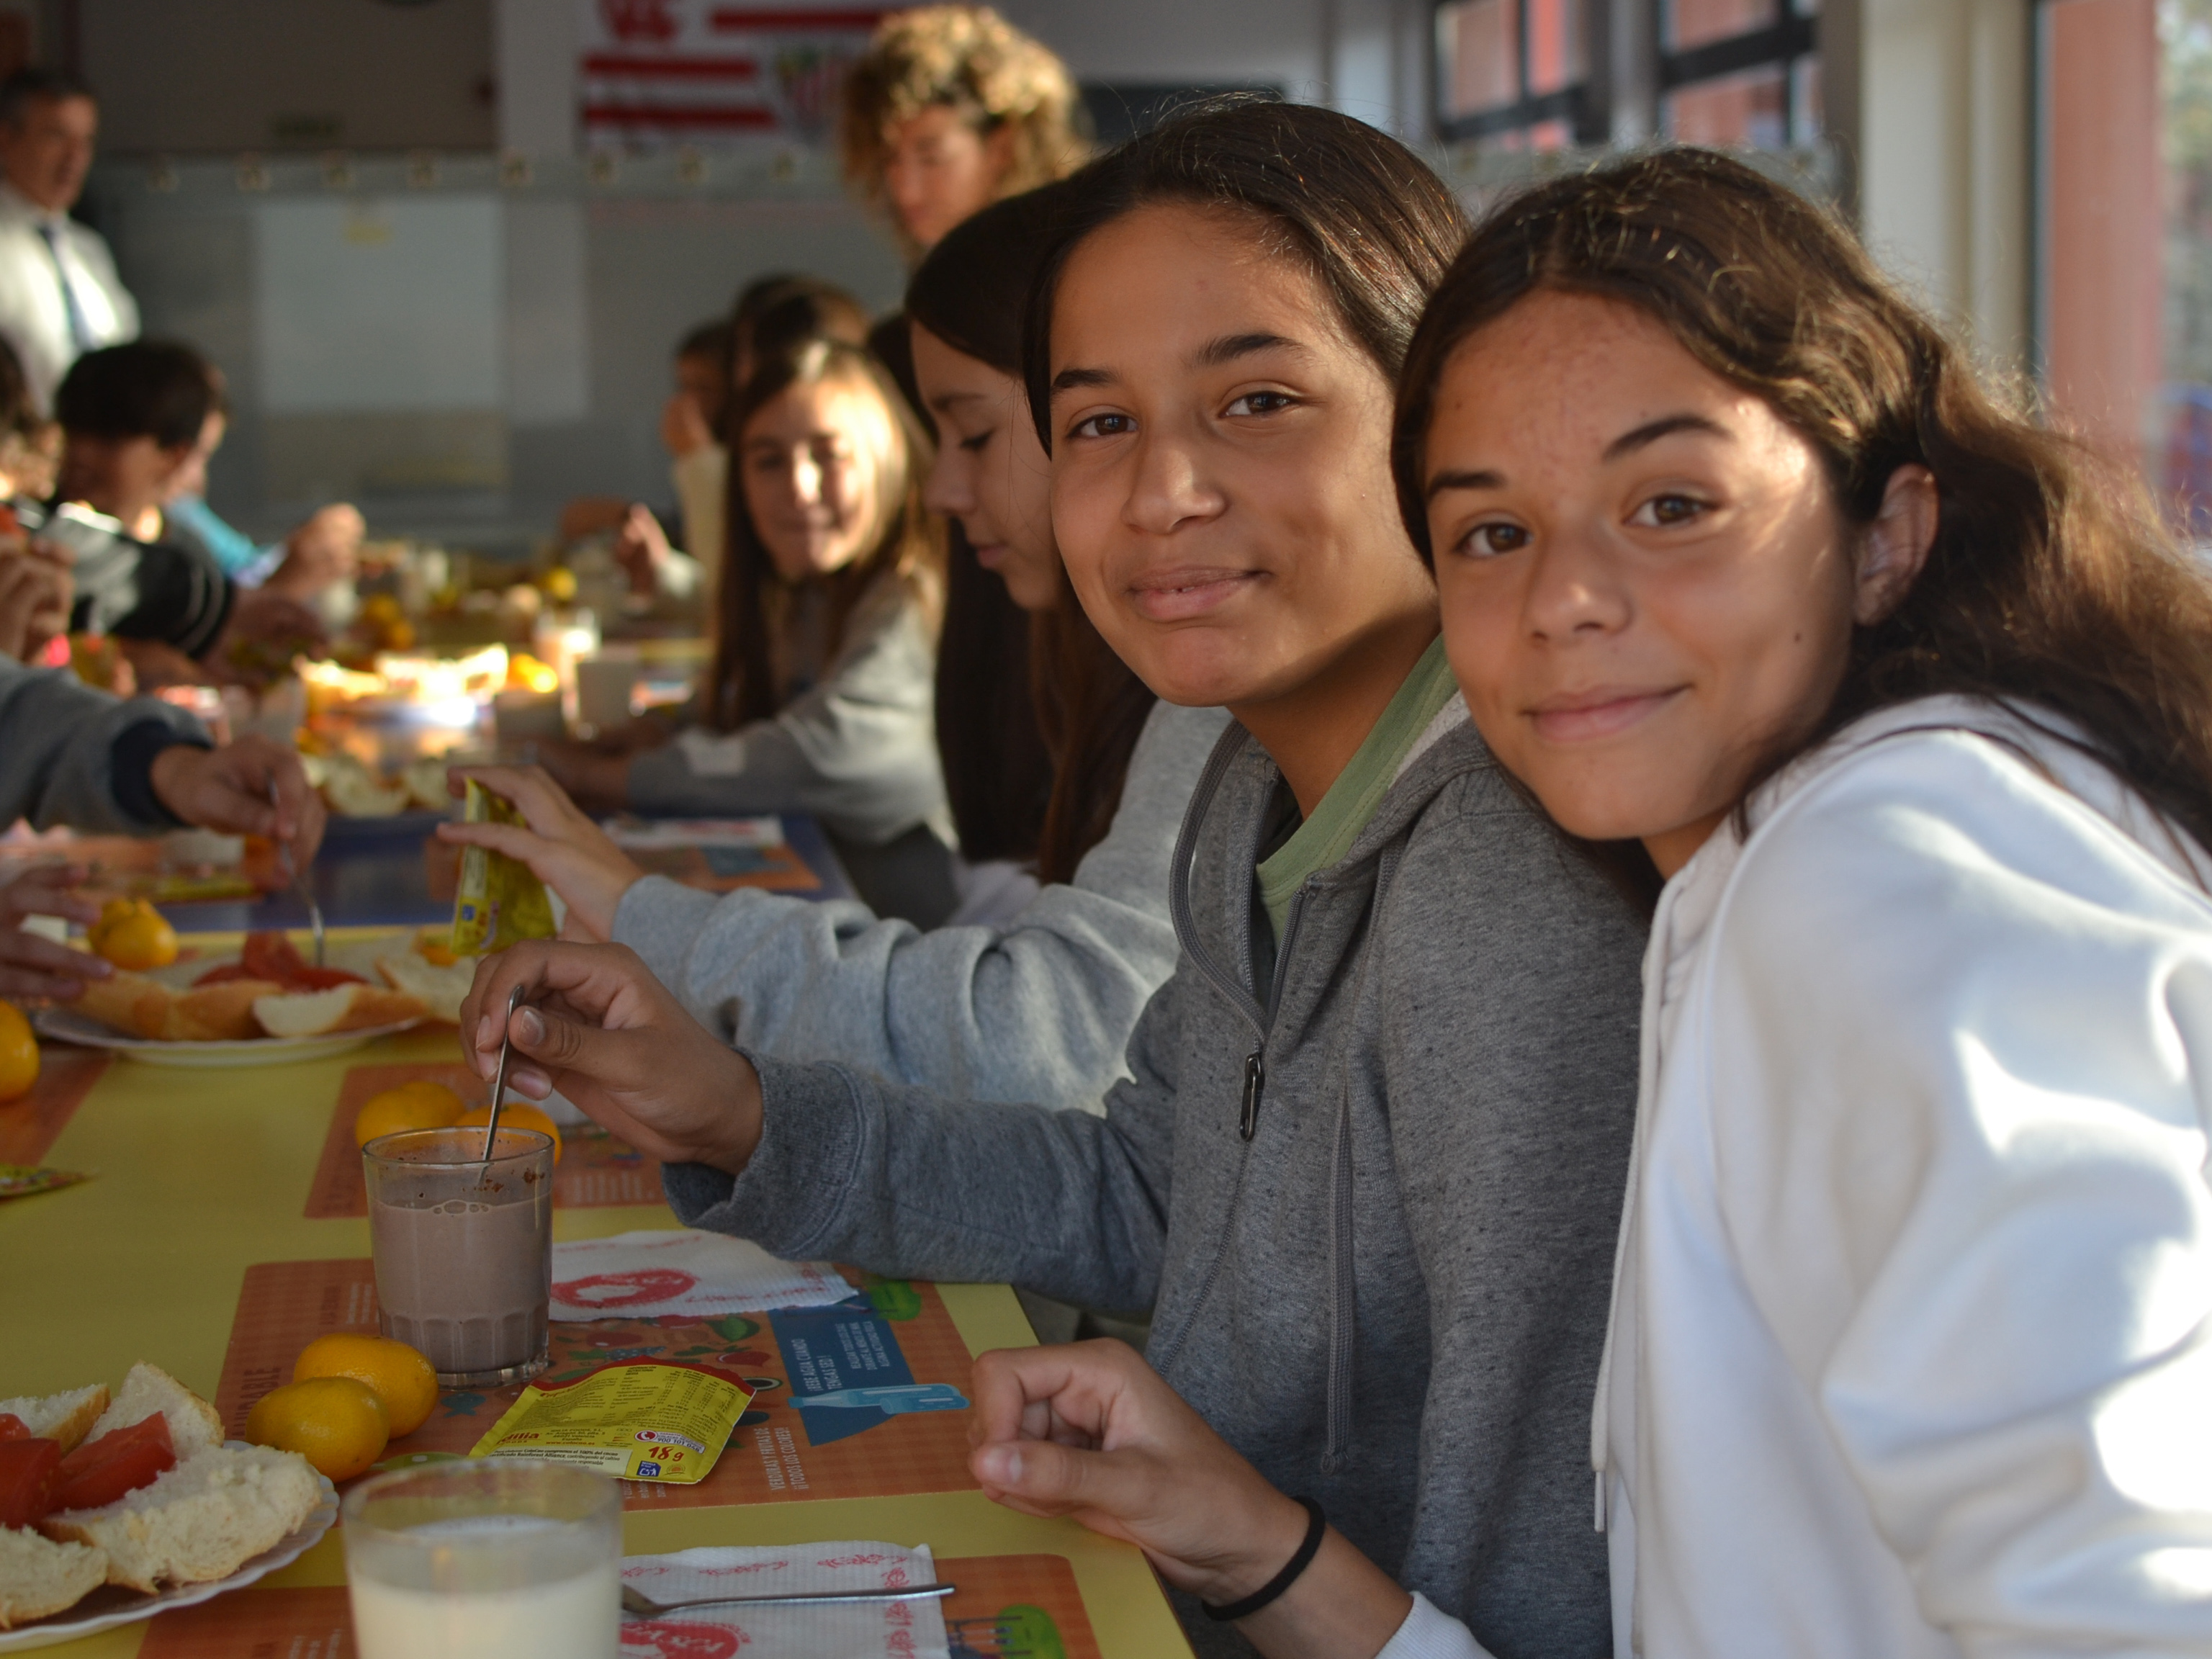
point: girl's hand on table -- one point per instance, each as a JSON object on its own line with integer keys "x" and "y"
{"x": 33, "y": 966}
{"x": 605, "y": 1033}
{"x": 1092, "y": 1432}
{"x": 563, "y": 848}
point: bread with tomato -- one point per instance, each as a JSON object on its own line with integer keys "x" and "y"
{"x": 40, "y": 1576}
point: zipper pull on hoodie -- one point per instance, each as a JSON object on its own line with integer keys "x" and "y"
{"x": 1255, "y": 1080}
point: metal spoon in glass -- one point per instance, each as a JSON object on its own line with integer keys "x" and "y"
{"x": 499, "y": 1079}
{"x": 644, "y": 1606}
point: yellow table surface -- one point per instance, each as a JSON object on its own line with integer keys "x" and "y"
{"x": 200, "y": 1173}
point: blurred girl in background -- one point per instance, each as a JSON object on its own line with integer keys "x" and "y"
{"x": 1040, "y": 1007}
{"x": 825, "y": 639}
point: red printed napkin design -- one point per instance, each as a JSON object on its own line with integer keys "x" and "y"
{"x": 697, "y": 1275}
{"x": 895, "y": 1630}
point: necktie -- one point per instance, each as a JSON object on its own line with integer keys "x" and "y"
{"x": 80, "y": 339}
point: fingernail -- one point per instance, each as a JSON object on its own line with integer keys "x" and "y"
{"x": 528, "y": 1029}
{"x": 999, "y": 1465}
{"x": 486, "y": 1034}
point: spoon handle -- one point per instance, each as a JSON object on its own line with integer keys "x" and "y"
{"x": 644, "y": 1608}
{"x": 499, "y": 1081}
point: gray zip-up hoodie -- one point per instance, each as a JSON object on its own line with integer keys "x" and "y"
{"x": 1037, "y": 1009}
{"x": 72, "y": 755}
{"x": 1374, "y": 1202}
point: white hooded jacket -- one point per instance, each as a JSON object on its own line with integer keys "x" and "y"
{"x": 1910, "y": 1350}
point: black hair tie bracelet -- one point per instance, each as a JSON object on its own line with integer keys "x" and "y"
{"x": 1316, "y": 1524}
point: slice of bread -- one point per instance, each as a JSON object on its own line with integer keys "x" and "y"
{"x": 203, "y": 1519}
{"x": 193, "y": 1426}
{"x": 341, "y": 1008}
{"x": 133, "y": 1004}
{"x": 39, "y": 1576}
{"x": 440, "y": 990}
{"x": 61, "y": 1418}
{"x": 217, "y": 1013}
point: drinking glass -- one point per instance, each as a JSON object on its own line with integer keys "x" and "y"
{"x": 481, "y": 1559}
{"x": 464, "y": 1248}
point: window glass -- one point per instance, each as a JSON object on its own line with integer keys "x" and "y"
{"x": 1556, "y": 44}
{"x": 1749, "y": 109}
{"x": 2186, "y": 28}
{"x": 1478, "y": 55}
{"x": 1695, "y": 22}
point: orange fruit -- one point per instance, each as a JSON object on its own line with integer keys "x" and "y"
{"x": 337, "y": 1423}
{"x": 418, "y": 1103}
{"x": 19, "y": 1053}
{"x": 400, "y": 1377}
{"x": 517, "y": 1115}
{"x": 133, "y": 935}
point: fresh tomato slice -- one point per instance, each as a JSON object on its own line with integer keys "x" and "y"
{"x": 13, "y": 1427}
{"x": 272, "y": 955}
{"x": 29, "y": 1470}
{"x": 100, "y": 1471}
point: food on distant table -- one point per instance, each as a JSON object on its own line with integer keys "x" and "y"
{"x": 355, "y": 792}
{"x": 131, "y": 933}
{"x": 418, "y": 1104}
{"x": 516, "y": 1115}
{"x": 426, "y": 783}
{"x": 19, "y": 1053}
{"x": 344, "y": 1008}
{"x": 441, "y": 990}
{"x": 272, "y": 955}
{"x": 337, "y": 1423}
{"x": 271, "y": 991}
{"x": 136, "y": 1491}
{"x": 434, "y": 945}
{"x": 398, "y": 1374}
{"x": 143, "y": 1008}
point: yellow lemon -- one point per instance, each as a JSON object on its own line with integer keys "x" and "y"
{"x": 400, "y": 1377}
{"x": 559, "y": 585}
{"x": 337, "y": 1423}
{"x": 418, "y": 1104}
{"x": 138, "y": 939}
{"x": 19, "y": 1053}
{"x": 517, "y": 1115}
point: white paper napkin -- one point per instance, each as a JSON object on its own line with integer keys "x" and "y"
{"x": 895, "y": 1630}
{"x": 644, "y": 1275}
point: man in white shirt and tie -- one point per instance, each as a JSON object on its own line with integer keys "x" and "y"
{"x": 59, "y": 294}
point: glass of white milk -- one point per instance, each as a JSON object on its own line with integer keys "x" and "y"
{"x": 479, "y": 1560}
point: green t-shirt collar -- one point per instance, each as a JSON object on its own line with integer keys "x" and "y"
{"x": 1353, "y": 801}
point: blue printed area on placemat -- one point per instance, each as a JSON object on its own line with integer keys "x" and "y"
{"x": 832, "y": 1351}
{"x": 726, "y": 862}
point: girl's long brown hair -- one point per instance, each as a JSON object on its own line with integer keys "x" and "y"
{"x": 1088, "y": 706}
{"x": 741, "y": 686}
{"x": 2051, "y": 586}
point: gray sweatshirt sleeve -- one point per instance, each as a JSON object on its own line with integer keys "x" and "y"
{"x": 894, "y": 1179}
{"x": 1038, "y": 1010}
{"x": 57, "y": 751}
{"x": 858, "y": 750}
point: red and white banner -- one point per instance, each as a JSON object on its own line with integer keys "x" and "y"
{"x": 707, "y": 71}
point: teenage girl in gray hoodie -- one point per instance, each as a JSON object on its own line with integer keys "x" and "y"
{"x": 1369, "y": 1164}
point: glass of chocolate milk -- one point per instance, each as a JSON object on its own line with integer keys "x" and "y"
{"x": 464, "y": 1248}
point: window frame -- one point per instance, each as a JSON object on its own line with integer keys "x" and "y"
{"x": 1777, "y": 45}
{"x": 1578, "y": 105}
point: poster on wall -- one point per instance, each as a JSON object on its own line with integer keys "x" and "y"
{"x": 715, "y": 72}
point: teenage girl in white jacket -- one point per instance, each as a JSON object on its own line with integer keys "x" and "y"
{"x": 1910, "y": 704}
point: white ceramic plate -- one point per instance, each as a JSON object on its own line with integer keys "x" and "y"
{"x": 68, "y": 1026}
{"x": 70, "y": 1625}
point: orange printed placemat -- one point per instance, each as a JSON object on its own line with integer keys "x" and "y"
{"x": 1007, "y": 1604}
{"x": 29, "y": 1126}
{"x": 772, "y": 1457}
{"x": 723, "y": 870}
{"x": 596, "y": 1170}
